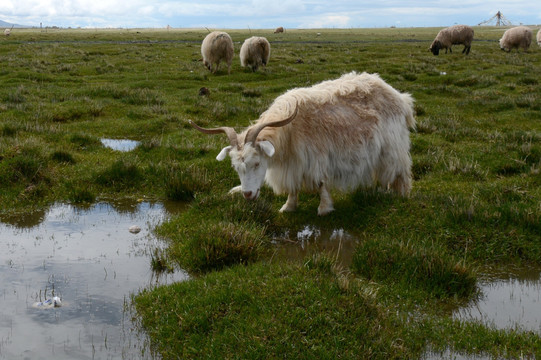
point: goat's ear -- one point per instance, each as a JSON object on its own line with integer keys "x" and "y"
{"x": 266, "y": 147}
{"x": 223, "y": 154}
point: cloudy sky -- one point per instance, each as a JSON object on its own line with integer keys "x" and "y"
{"x": 241, "y": 14}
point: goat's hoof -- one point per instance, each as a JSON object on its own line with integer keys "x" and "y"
{"x": 324, "y": 211}
{"x": 287, "y": 208}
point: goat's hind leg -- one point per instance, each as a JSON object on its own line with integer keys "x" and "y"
{"x": 401, "y": 184}
{"x": 325, "y": 201}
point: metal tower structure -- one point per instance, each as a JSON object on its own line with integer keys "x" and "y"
{"x": 498, "y": 20}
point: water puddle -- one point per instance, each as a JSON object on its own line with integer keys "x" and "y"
{"x": 120, "y": 144}
{"x": 336, "y": 243}
{"x": 93, "y": 263}
{"x": 511, "y": 299}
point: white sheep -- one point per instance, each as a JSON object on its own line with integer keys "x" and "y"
{"x": 217, "y": 46}
{"x": 254, "y": 52}
{"x": 520, "y": 36}
{"x": 453, "y": 35}
{"x": 338, "y": 134}
{"x": 279, "y": 30}
{"x": 7, "y": 32}
{"x": 539, "y": 37}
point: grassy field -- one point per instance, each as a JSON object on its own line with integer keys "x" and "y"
{"x": 476, "y": 199}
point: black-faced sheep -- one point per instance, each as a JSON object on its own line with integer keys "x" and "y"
{"x": 514, "y": 38}
{"x": 254, "y": 52}
{"x": 217, "y": 46}
{"x": 338, "y": 134}
{"x": 453, "y": 35}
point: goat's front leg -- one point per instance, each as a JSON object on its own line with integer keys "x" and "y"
{"x": 291, "y": 203}
{"x": 325, "y": 201}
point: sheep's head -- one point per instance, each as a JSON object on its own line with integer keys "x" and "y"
{"x": 435, "y": 47}
{"x": 207, "y": 64}
{"x": 249, "y": 157}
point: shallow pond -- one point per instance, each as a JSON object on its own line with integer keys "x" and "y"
{"x": 91, "y": 261}
{"x": 337, "y": 243}
{"x": 120, "y": 144}
{"x": 511, "y": 298}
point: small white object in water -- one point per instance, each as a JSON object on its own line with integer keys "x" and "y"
{"x": 134, "y": 229}
{"x": 49, "y": 303}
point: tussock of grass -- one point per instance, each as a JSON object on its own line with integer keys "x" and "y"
{"x": 120, "y": 175}
{"x": 264, "y": 311}
{"x": 205, "y": 246}
{"x": 413, "y": 266}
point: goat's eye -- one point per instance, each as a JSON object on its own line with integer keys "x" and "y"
{"x": 256, "y": 165}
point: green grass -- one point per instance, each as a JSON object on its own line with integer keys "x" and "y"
{"x": 475, "y": 199}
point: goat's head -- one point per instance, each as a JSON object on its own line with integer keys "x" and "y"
{"x": 249, "y": 156}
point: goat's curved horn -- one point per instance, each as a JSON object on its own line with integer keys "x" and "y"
{"x": 251, "y": 136}
{"x": 229, "y": 131}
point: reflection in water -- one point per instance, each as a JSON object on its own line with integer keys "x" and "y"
{"x": 336, "y": 243}
{"x": 91, "y": 261}
{"x": 120, "y": 144}
{"x": 510, "y": 299}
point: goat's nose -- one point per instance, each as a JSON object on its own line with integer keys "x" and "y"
{"x": 247, "y": 194}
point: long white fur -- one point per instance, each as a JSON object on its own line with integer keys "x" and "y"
{"x": 348, "y": 132}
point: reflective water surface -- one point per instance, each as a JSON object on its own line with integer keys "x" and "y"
{"x": 120, "y": 144}
{"x": 91, "y": 261}
{"x": 337, "y": 243}
{"x": 511, "y": 298}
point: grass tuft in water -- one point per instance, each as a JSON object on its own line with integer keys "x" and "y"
{"x": 120, "y": 175}
{"x": 417, "y": 266}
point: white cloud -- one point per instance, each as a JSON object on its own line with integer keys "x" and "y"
{"x": 263, "y": 13}
{"x": 327, "y": 21}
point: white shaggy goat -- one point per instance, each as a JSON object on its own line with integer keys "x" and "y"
{"x": 217, "y": 46}
{"x": 338, "y": 134}
{"x": 539, "y": 37}
{"x": 520, "y": 36}
{"x": 254, "y": 52}
{"x": 7, "y": 32}
{"x": 453, "y": 35}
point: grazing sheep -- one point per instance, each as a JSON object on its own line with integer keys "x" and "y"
{"x": 338, "y": 134}
{"x": 7, "y": 32}
{"x": 520, "y": 36}
{"x": 539, "y": 37}
{"x": 254, "y": 52}
{"x": 453, "y": 35}
{"x": 279, "y": 30}
{"x": 217, "y": 46}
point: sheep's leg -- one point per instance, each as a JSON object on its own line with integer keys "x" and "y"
{"x": 325, "y": 201}
{"x": 291, "y": 203}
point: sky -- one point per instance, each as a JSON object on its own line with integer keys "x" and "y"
{"x": 263, "y": 14}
